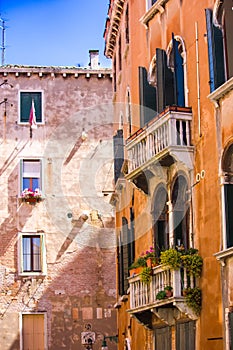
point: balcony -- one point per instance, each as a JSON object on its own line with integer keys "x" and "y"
{"x": 164, "y": 140}
{"x": 143, "y": 301}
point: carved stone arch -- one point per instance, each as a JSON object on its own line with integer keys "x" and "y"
{"x": 227, "y": 160}
{"x": 152, "y": 71}
{"x": 218, "y": 13}
{"x": 182, "y": 49}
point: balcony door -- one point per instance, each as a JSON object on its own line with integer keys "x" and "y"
{"x": 160, "y": 220}
{"x": 181, "y": 212}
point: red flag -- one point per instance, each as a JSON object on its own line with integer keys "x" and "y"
{"x": 32, "y": 117}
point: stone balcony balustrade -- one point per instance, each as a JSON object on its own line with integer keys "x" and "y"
{"x": 143, "y": 296}
{"x": 165, "y": 139}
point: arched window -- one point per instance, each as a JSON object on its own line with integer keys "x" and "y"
{"x": 160, "y": 220}
{"x": 227, "y": 168}
{"x": 181, "y": 212}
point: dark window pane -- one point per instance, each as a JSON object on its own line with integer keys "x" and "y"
{"x": 26, "y": 103}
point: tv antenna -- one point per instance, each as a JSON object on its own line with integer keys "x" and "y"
{"x": 3, "y": 47}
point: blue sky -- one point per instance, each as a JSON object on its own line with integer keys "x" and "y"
{"x": 54, "y": 32}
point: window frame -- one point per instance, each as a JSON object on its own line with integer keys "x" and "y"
{"x": 42, "y": 122}
{"x": 21, "y": 271}
{"x": 21, "y": 162}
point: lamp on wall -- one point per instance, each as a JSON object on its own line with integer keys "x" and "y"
{"x": 111, "y": 338}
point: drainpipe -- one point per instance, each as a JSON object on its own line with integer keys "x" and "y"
{"x": 198, "y": 82}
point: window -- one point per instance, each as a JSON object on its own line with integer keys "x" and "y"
{"x": 32, "y": 253}
{"x": 181, "y": 212}
{"x": 30, "y": 174}
{"x": 118, "y": 148}
{"x": 125, "y": 253}
{"x": 127, "y": 24}
{"x": 33, "y": 331}
{"x": 150, "y": 3}
{"x": 25, "y": 102}
{"x": 220, "y": 42}
{"x": 147, "y": 96}
{"x": 227, "y": 167}
{"x": 160, "y": 220}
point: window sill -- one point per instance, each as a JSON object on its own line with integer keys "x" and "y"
{"x": 220, "y": 92}
{"x": 32, "y": 274}
{"x": 157, "y": 7}
{"x": 223, "y": 255}
{"x": 27, "y": 124}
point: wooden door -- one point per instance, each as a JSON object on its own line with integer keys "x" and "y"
{"x": 33, "y": 332}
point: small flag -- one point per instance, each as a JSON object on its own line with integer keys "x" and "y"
{"x": 32, "y": 117}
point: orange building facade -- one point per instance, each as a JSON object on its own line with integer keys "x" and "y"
{"x": 172, "y": 84}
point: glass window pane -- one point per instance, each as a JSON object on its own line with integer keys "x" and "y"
{"x": 26, "y": 254}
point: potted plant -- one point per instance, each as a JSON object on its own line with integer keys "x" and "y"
{"x": 161, "y": 295}
{"x": 193, "y": 299}
{"x": 193, "y": 263}
{"x": 30, "y": 196}
{"x": 137, "y": 266}
{"x": 145, "y": 275}
{"x": 150, "y": 257}
{"x": 169, "y": 291}
{"x": 171, "y": 258}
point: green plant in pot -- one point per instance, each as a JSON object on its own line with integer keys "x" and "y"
{"x": 193, "y": 264}
{"x": 193, "y": 299}
{"x": 169, "y": 291}
{"x": 161, "y": 295}
{"x": 171, "y": 258}
{"x": 145, "y": 275}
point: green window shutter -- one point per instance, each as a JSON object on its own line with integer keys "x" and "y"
{"x": 178, "y": 74}
{"x": 215, "y": 52}
{"x": 229, "y": 213}
{"x": 26, "y": 103}
{"x": 165, "y": 81}
{"x": 147, "y": 95}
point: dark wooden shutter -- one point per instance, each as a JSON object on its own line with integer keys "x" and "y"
{"x": 231, "y": 329}
{"x": 125, "y": 233}
{"x": 120, "y": 268}
{"x": 147, "y": 95}
{"x": 163, "y": 338}
{"x": 118, "y": 148}
{"x": 185, "y": 336}
{"x": 215, "y": 52}
{"x": 131, "y": 240}
{"x": 26, "y": 103}
{"x": 229, "y": 213}
{"x": 178, "y": 74}
{"x": 165, "y": 81}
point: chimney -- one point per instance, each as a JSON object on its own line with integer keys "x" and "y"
{"x": 94, "y": 59}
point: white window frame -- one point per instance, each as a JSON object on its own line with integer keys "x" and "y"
{"x": 20, "y": 172}
{"x": 45, "y": 327}
{"x": 42, "y": 107}
{"x": 43, "y": 271}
